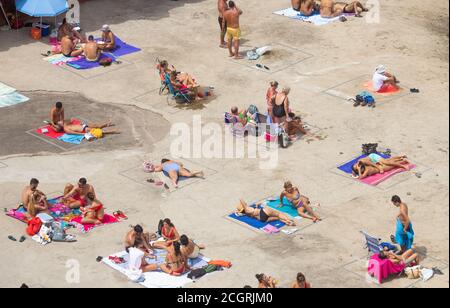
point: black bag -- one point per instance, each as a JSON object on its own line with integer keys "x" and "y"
{"x": 197, "y": 273}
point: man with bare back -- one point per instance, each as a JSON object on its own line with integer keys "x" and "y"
{"x": 231, "y": 17}
{"x": 306, "y": 7}
{"x": 222, "y": 6}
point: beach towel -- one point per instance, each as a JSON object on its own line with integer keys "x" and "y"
{"x": 287, "y": 207}
{"x": 389, "y": 90}
{"x": 123, "y": 48}
{"x": 377, "y": 178}
{"x": 382, "y": 269}
{"x": 9, "y": 96}
{"x": 157, "y": 279}
{"x": 85, "y": 228}
{"x": 60, "y": 59}
{"x": 404, "y": 239}
{"x": 73, "y": 139}
{"x": 51, "y": 133}
{"x": 315, "y": 19}
{"x": 254, "y": 223}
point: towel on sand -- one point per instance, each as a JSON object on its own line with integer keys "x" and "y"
{"x": 73, "y": 139}
{"x": 9, "y": 96}
{"x": 315, "y": 19}
{"x": 287, "y": 207}
{"x": 51, "y": 133}
{"x": 255, "y": 223}
{"x": 157, "y": 279}
{"x": 85, "y": 228}
{"x": 386, "y": 91}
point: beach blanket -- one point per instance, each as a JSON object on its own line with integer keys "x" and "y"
{"x": 51, "y": 133}
{"x": 63, "y": 214}
{"x": 315, "y": 19}
{"x": 377, "y": 178}
{"x": 9, "y": 96}
{"x": 390, "y": 90}
{"x": 286, "y": 207}
{"x": 60, "y": 59}
{"x": 254, "y": 223}
{"x": 73, "y": 139}
{"x": 121, "y": 50}
{"x": 157, "y": 279}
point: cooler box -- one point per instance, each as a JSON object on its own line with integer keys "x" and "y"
{"x": 45, "y": 29}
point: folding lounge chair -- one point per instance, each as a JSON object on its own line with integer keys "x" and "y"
{"x": 178, "y": 96}
{"x": 373, "y": 245}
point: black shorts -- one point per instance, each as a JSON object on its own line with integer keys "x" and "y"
{"x": 223, "y": 29}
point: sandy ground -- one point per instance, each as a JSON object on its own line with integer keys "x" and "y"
{"x": 320, "y": 64}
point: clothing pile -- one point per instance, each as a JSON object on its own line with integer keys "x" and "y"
{"x": 213, "y": 266}
{"x": 43, "y": 229}
{"x": 364, "y": 99}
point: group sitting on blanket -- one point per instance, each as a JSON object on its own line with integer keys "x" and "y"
{"x": 179, "y": 249}
{"x": 376, "y": 164}
{"x": 180, "y": 81}
{"x": 174, "y": 170}
{"x": 74, "y": 45}
{"x": 328, "y": 8}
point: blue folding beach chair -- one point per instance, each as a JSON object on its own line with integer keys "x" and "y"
{"x": 179, "y": 96}
{"x": 373, "y": 245}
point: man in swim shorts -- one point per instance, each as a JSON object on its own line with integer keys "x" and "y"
{"x": 354, "y": 7}
{"x": 190, "y": 249}
{"x": 231, "y": 17}
{"x": 76, "y": 196}
{"x": 57, "y": 117}
{"x": 91, "y": 50}
{"x": 90, "y": 130}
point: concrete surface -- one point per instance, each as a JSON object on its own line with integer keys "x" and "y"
{"x": 411, "y": 39}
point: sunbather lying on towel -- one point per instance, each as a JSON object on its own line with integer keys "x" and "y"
{"x": 263, "y": 214}
{"x": 374, "y": 164}
{"x": 175, "y": 170}
{"x": 28, "y": 192}
{"x": 295, "y": 126}
{"x": 176, "y": 263}
{"x": 90, "y": 130}
{"x": 405, "y": 259}
{"x": 189, "y": 248}
{"x": 57, "y": 117}
{"x": 93, "y": 212}
{"x": 76, "y": 196}
{"x": 266, "y": 282}
{"x": 354, "y": 7}
{"x": 306, "y": 7}
{"x": 139, "y": 239}
{"x": 38, "y": 204}
{"x": 300, "y": 202}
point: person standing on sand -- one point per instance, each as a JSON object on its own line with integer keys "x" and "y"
{"x": 231, "y": 17}
{"x": 404, "y": 234}
{"x": 222, "y": 7}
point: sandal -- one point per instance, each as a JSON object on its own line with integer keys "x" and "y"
{"x": 99, "y": 259}
{"x": 22, "y": 239}
{"x": 12, "y": 238}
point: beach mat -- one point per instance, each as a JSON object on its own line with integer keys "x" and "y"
{"x": 286, "y": 207}
{"x": 122, "y": 49}
{"x": 85, "y": 228}
{"x": 254, "y": 223}
{"x": 60, "y": 59}
{"x": 391, "y": 90}
{"x": 315, "y": 19}
{"x": 158, "y": 279}
{"x": 60, "y": 136}
{"x": 10, "y": 97}
{"x": 374, "y": 179}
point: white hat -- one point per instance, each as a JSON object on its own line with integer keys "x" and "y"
{"x": 105, "y": 28}
{"x": 381, "y": 69}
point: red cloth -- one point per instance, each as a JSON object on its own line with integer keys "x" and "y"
{"x": 382, "y": 269}
{"x": 34, "y": 226}
{"x": 51, "y": 132}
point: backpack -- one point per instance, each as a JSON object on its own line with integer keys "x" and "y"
{"x": 197, "y": 273}
{"x": 253, "y": 109}
{"x": 366, "y": 97}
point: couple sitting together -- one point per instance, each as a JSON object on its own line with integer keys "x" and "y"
{"x": 80, "y": 197}
{"x": 376, "y": 164}
{"x": 180, "y": 249}
{"x": 90, "y": 130}
{"x": 328, "y": 8}
{"x": 74, "y": 45}
{"x": 180, "y": 81}
{"x": 266, "y": 214}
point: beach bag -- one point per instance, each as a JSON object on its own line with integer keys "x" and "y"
{"x": 210, "y": 268}
{"x": 413, "y": 272}
{"x": 34, "y": 226}
{"x": 366, "y": 97}
{"x": 197, "y": 273}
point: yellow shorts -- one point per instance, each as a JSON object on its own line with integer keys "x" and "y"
{"x": 234, "y": 33}
{"x": 97, "y": 133}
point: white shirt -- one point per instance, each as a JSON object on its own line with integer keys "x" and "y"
{"x": 73, "y": 14}
{"x": 378, "y": 81}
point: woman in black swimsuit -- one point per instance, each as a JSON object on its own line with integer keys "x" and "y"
{"x": 281, "y": 106}
{"x": 263, "y": 214}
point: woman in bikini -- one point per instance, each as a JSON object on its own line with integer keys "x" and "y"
{"x": 354, "y": 7}
{"x": 263, "y": 214}
{"x": 300, "y": 202}
{"x": 169, "y": 235}
{"x": 175, "y": 170}
{"x": 374, "y": 164}
{"x": 176, "y": 263}
{"x": 94, "y": 212}
{"x": 280, "y": 108}
{"x": 38, "y": 204}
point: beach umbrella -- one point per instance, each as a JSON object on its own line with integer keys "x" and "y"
{"x": 42, "y": 8}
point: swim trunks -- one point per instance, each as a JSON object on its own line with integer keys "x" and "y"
{"x": 375, "y": 158}
{"x": 234, "y": 33}
{"x": 171, "y": 167}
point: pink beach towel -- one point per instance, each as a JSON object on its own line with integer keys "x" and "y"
{"x": 378, "y": 178}
{"x": 382, "y": 269}
{"x": 269, "y": 229}
{"x": 85, "y": 228}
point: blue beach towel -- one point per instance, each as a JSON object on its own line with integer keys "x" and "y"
{"x": 347, "y": 167}
{"x": 405, "y": 240}
{"x": 287, "y": 207}
{"x": 73, "y": 139}
{"x": 252, "y": 222}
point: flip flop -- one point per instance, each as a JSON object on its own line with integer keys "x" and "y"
{"x": 99, "y": 259}
{"x": 266, "y": 68}
{"x": 22, "y": 239}
{"x": 150, "y": 180}
{"x": 414, "y": 90}
{"x": 259, "y": 66}
{"x": 12, "y": 238}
